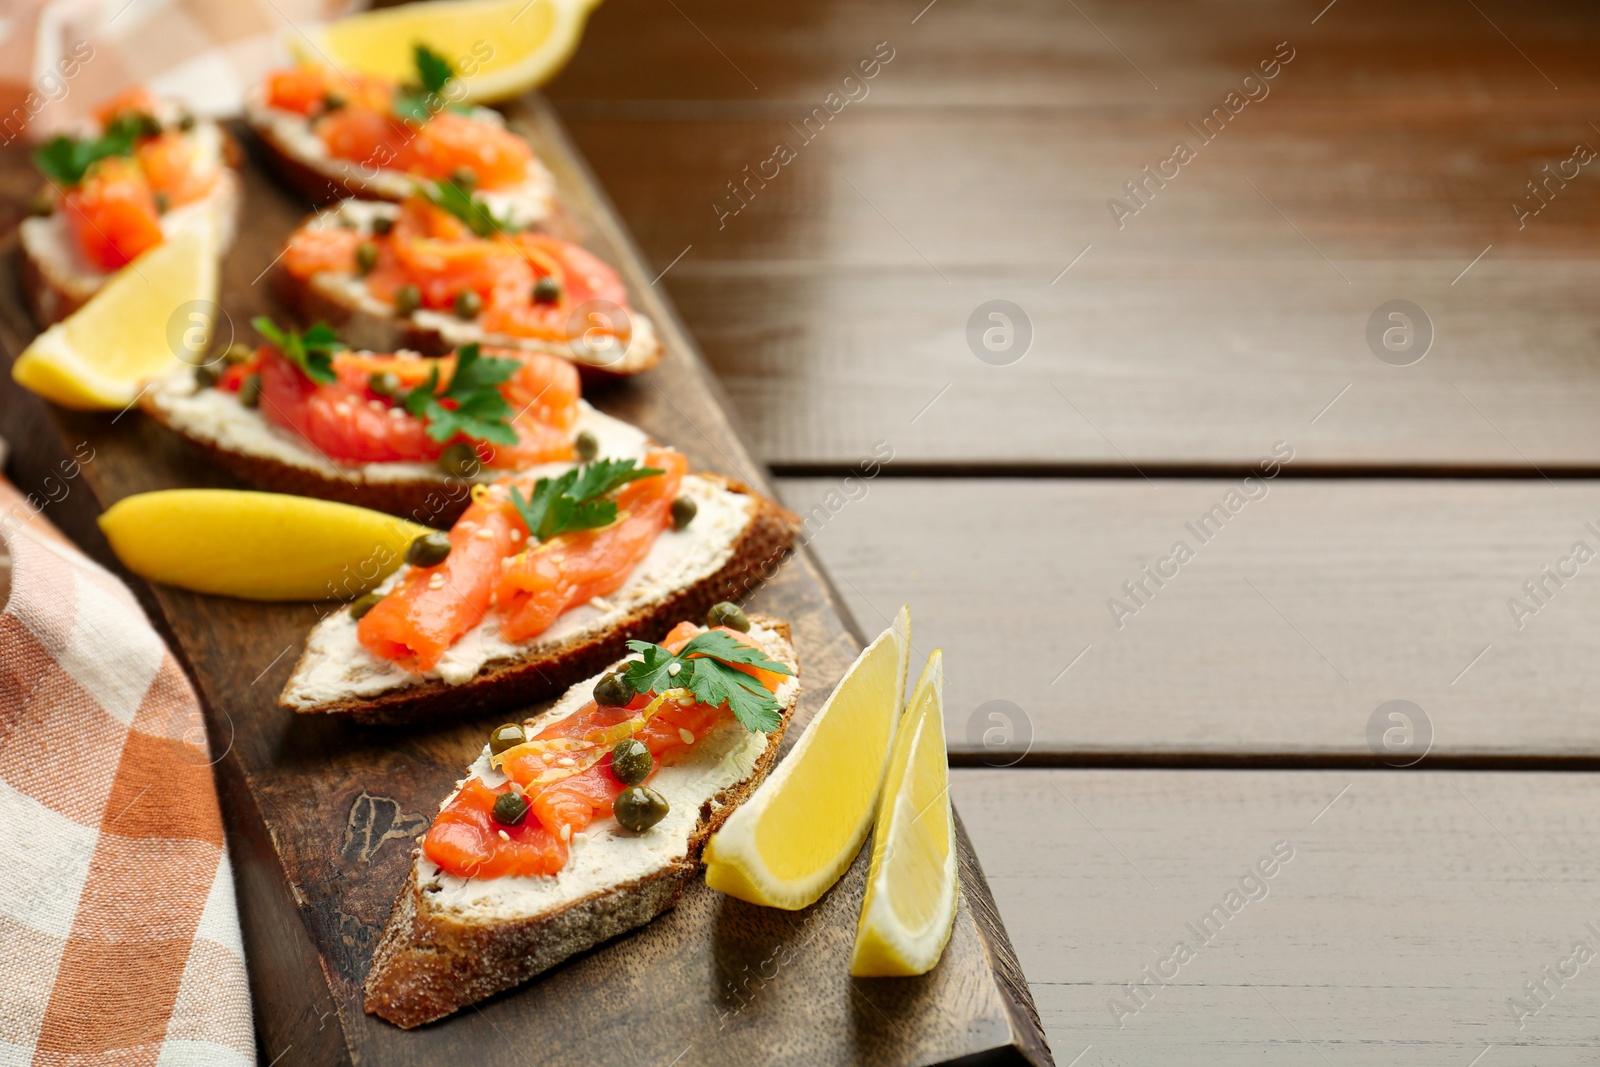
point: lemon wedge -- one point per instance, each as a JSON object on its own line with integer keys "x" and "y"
{"x": 802, "y": 828}
{"x": 499, "y": 48}
{"x": 910, "y": 904}
{"x": 98, "y": 357}
{"x": 258, "y": 546}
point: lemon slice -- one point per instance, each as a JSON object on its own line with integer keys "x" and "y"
{"x": 801, "y": 829}
{"x": 910, "y": 904}
{"x": 259, "y": 546}
{"x": 500, "y": 48}
{"x": 98, "y": 357}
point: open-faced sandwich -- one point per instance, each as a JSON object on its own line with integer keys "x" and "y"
{"x": 142, "y": 171}
{"x": 334, "y": 135}
{"x": 401, "y": 433}
{"x": 439, "y": 270}
{"x": 587, "y": 820}
{"x": 539, "y": 583}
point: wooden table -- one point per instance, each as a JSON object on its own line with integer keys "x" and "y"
{"x": 1147, "y": 758}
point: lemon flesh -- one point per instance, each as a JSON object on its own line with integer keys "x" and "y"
{"x": 257, "y": 546}
{"x": 910, "y": 903}
{"x": 802, "y": 828}
{"x": 98, "y": 357}
{"x": 499, "y": 48}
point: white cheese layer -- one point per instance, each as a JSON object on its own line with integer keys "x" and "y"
{"x": 606, "y": 855}
{"x": 48, "y": 239}
{"x": 217, "y": 418}
{"x": 336, "y": 665}
{"x": 522, "y": 204}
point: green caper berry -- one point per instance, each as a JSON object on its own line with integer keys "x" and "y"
{"x": 510, "y": 809}
{"x": 250, "y": 391}
{"x": 41, "y": 203}
{"x": 429, "y": 550}
{"x": 332, "y": 102}
{"x": 148, "y": 125}
{"x": 613, "y": 690}
{"x": 186, "y": 122}
{"x": 468, "y": 304}
{"x": 366, "y": 257}
{"x": 508, "y": 736}
{"x": 546, "y": 291}
{"x": 206, "y": 375}
{"x": 727, "y": 613}
{"x": 163, "y": 203}
{"x": 239, "y": 353}
{"x": 363, "y": 604}
{"x": 344, "y": 222}
{"x": 460, "y": 460}
{"x": 631, "y": 762}
{"x": 407, "y": 299}
{"x": 684, "y": 509}
{"x": 465, "y": 177}
{"x": 382, "y": 224}
{"x": 587, "y": 446}
{"x": 639, "y": 807}
{"x": 384, "y": 383}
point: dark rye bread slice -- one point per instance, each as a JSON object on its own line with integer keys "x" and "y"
{"x": 757, "y": 553}
{"x": 429, "y": 965}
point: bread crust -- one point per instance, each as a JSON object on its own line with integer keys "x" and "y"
{"x": 762, "y": 545}
{"x": 428, "y": 965}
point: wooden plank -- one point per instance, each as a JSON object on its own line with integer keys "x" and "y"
{"x": 1230, "y": 311}
{"x": 321, "y": 813}
{"x": 1299, "y": 616}
{"x": 1414, "y": 908}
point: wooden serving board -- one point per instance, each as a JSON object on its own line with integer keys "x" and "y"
{"x": 322, "y": 814}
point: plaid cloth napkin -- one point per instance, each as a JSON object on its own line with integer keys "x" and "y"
{"x": 119, "y": 937}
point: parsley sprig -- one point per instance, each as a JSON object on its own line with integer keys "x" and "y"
{"x": 419, "y": 101}
{"x": 705, "y": 667}
{"x": 311, "y": 351}
{"x": 576, "y": 500}
{"x": 475, "y": 406}
{"x": 65, "y": 160}
{"x": 468, "y": 208}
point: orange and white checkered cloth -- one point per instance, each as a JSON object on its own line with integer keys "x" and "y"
{"x": 119, "y": 936}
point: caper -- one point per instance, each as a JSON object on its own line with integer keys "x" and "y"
{"x": 250, "y": 391}
{"x": 366, "y": 257}
{"x": 468, "y": 304}
{"x": 186, "y": 122}
{"x": 147, "y": 125}
{"x": 684, "y": 509}
{"x": 587, "y": 446}
{"x": 384, "y": 383}
{"x": 206, "y": 375}
{"x": 332, "y": 102}
{"x": 41, "y": 203}
{"x": 163, "y": 202}
{"x": 614, "y": 690}
{"x": 382, "y": 224}
{"x": 465, "y": 177}
{"x": 363, "y": 604}
{"x": 727, "y": 613}
{"x": 460, "y": 460}
{"x": 429, "y": 550}
{"x": 639, "y": 807}
{"x": 631, "y": 762}
{"x": 345, "y": 222}
{"x": 239, "y": 352}
{"x": 407, "y": 299}
{"x": 546, "y": 291}
{"x": 512, "y": 808}
{"x": 508, "y": 736}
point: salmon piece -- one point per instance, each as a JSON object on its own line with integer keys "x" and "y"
{"x": 573, "y": 568}
{"x": 112, "y": 213}
{"x": 421, "y": 618}
{"x": 466, "y": 841}
{"x": 583, "y": 279}
{"x": 448, "y": 142}
{"x": 363, "y": 136}
{"x": 337, "y": 419}
{"x": 138, "y": 100}
{"x": 171, "y": 164}
{"x": 298, "y": 89}
{"x": 315, "y": 251}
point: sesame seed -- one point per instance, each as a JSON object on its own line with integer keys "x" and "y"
{"x": 546, "y": 756}
{"x": 688, "y": 738}
{"x": 516, "y": 535}
{"x": 485, "y": 534}
{"x": 377, "y": 405}
{"x": 566, "y": 761}
{"x": 504, "y": 836}
{"x": 342, "y": 409}
{"x": 566, "y": 832}
{"x": 397, "y": 413}
{"x": 436, "y": 582}
{"x": 674, "y": 668}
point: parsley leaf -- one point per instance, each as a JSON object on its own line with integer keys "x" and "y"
{"x": 434, "y": 71}
{"x": 477, "y": 409}
{"x": 311, "y": 351}
{"x": 65, "y": 160}
{"x": 575, "y": 500}
{"x": 419, "y": 101}
{"x": 468, "y": 208}
{"x": 706, "y": 667}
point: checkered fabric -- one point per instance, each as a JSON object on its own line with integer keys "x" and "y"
{"x": 119, "y": 937}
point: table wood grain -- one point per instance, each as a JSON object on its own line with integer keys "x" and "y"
{"x": 1415, "y": 906}
{"x": 1304, "y": 612}
{"x": 1230, "y": 311}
